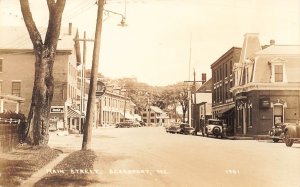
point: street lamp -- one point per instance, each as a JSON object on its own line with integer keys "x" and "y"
{"x": 122, "y": 23}
{"x": 123, "y": 20}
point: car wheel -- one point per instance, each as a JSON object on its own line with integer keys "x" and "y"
{"x": 275, "y": 140}
{"x": 287, "y": 139}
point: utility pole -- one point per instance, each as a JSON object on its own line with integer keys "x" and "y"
{"x": 125, "y": 99}
{"x": 148, "y": 110}
{"x": 190, "y": 99}
{"x": 82, "y": 74}
{"x": 87, "y": 134}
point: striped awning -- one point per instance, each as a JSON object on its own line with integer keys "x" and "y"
{"x": 72, "y": 113}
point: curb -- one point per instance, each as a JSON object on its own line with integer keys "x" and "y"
{"x": 43, "y": 171}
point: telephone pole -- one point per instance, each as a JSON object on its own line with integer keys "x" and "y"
{"x": 82, "y": 74}
{"x": 194, "y": 100}
{"x": 87, "y": 134}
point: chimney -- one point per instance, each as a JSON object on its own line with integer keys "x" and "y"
{"x": 70, "y": 28}
{"x": 272, "y": 42}
{"x": 203, "y": 78}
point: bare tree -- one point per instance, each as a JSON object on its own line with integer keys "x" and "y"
{"x": 44, "y": 51}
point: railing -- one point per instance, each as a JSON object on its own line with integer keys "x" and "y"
{"x": 9, "y": 121}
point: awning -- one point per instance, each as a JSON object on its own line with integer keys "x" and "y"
{"x": 127, "y": 116}
{"x": 225, "y": 111}
{"x": 72, "y": 113}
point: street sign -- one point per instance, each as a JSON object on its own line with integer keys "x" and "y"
{"x": 100, "y": 89}
{"x": 57, "y": 109}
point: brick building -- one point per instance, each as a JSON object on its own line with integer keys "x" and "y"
{"x": 17, "y": 75}
{"x": 267, "y": 87}
{"x": 222, "y": 81}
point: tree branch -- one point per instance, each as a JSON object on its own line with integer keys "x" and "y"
{"x": 34, "y": 34}
{"x": 54, "y": 24}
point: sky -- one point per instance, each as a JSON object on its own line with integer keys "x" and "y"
{"x": 164, "y": 40}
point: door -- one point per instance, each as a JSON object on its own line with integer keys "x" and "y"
{"x": 278, "y": 114}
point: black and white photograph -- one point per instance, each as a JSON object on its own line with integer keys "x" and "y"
{"x": 155, "y": 93}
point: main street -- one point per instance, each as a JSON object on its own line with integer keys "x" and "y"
{"x": 148, "y": 156}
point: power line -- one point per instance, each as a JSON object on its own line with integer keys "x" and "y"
{"x": 76, "y": 10}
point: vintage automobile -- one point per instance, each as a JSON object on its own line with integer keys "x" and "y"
{"x": 214, "y": 127}
{"x": 187, "y": 130}
{"x": 291, "y": 133}
{"x": 174, "y": 129}
{"x": 277, "y": 132}
{"x": 125, "y": 124}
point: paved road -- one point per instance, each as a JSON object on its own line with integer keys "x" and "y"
{"x": 149, "y": 156}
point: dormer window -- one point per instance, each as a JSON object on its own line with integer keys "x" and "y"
{"x": 278, "y": 73}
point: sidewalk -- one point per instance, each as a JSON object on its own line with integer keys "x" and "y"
{"x": 43, "y": 171}
{"x": 248, "y": 137}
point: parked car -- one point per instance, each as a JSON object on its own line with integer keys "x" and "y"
{"x": 174, "y": 129}
{"x": 142, "y": 123}
{"x": 277, "y": 132}
{"x": 188, "y": 130}
{"x": 124, "y": 124}
{"x": 182, "y": 126}
{"x": 291, "y": 133}
{"x": 214, "y": 127}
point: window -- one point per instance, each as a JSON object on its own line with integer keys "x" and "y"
{"x": 144, "y": 115}
{"x": 152, "y": 120}
{"x": 1, "y": 65}
{"x": 278, "y": 73}
{"x": 152, "y": 114}
{"x": 16, "y": 88}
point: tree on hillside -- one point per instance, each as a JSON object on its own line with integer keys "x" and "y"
{"x": 175, "y": 94}
{"x": 44, "y": 51}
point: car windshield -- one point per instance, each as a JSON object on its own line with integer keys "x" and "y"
{"x": 213, "y": 122}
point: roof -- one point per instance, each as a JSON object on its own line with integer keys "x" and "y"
{"x": 132, "y": 103}
{"x": 251, "y": 45}
{"x": 280, "y": 50}
{"x": 17, "y": 38}
{"x": 206, "y": 87}
{"x": 156, "y": 109}
{"x": 226, "y": 54}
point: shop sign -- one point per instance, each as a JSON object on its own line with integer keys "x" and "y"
{"x": 57, "y": 109}
{"x": 265, "y": 103}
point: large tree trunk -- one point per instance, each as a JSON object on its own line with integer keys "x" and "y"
{"x": 41, "y": 98}
{"x": 38, "y": 117}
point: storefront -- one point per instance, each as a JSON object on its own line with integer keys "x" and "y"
{"x": 56, "y": 118}
{"x": 258, "y": 111}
